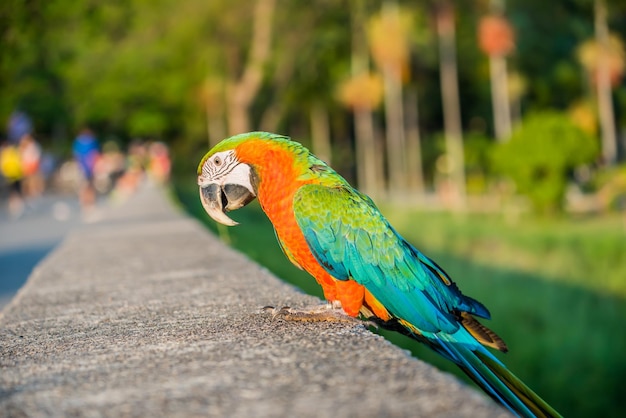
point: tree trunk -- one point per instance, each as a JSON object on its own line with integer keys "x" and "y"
{"x": 320, "y": 133}
{"x": 242, "y": 92}
{"x": 394, "y": 115}
{"x": 500, "y": 97}
{"x": 415, "y": 174}
{"x": 605, "y": 102}
{"x": 451, "y": 106}
{"x": 368, "y": 160}
{"x": 394, "y": 120}
{"x": 499, "y": 85}
{"x": 216, "y": 128}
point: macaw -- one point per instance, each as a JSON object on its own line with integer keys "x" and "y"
{"x": 363, "y": 265}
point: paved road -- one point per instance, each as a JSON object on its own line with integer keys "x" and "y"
{"x": 26, "y": 241}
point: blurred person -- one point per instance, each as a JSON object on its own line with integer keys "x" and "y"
{"x": 19, "y": 125}
{"x": 136, "y": 168}
{"x": 30, "y": 153}
{"x": 86, "y": 153}
{"x": 11, "y": 169}
{"x": 110, "y": 167}
{"x": 138, "y": 156}
{"x": 159, "y": 164}
{"x": 47, "y": 167}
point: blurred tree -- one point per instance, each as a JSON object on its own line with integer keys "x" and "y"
{"x": 414, "y": 170}
{"x": 419, "y": 88}
{"x": 145, "y": 123}
{"x": 547, "y": 34}
{"x": 29, "y": 65}
{"x": 363, "y": 93}
{"x": 516, "y": 88}
{"x": 604, "y": 60}
{"x": 241, "y": 92}
{"x": 540, "y": 156}
{"x": 603, "y": 82}
{"x": 451, "y": 107}
{"x": 128, "y": 68}
{"x": 497, "y": 40}
{"x": 299, "y": 88}
{"x": 389, "y": 43}
{"x": 162, "y": 68}
{"x": 583, "y": 115}
{"x": 610, "y": 184}
{"x": 477, "y": 153}
{"x": 211, "y": 98}
{"x": 589, "y": 55}
{"x": 320, "y": 132}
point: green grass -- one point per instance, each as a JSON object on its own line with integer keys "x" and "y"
{"x": 556, "y": 290}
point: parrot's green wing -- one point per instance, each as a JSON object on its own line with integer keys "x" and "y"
{"x": 349, "y": 236}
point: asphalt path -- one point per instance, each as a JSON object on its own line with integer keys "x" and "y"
{"x": 25, "y": 240}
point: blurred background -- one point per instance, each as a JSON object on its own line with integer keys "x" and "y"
{"x": 492, "y": 134}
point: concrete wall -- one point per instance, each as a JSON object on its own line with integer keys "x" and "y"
{"x": 146, "y": 314}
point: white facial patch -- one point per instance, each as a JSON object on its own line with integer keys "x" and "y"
{"x": 239, "y": 175}
{"x": 216, "y": 167}
{"x": 223, "y": 168}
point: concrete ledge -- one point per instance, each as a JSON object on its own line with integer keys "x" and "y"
{"x": 145, "y": 314}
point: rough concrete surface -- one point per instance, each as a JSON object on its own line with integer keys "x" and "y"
{"x": 146, "y": 314}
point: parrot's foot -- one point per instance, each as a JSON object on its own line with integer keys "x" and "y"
{"x": 330, "y": 312}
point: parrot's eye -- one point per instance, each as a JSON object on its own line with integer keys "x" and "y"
{"x": 217, "y": 161}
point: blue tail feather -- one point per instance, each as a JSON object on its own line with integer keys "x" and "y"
{"x": 494, "y": 378}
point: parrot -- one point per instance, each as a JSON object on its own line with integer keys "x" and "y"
{"x": 365, "y": 268}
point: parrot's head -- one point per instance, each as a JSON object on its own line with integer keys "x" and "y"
{"x": 225, "y": 182}
{"x": 255, "y": 165}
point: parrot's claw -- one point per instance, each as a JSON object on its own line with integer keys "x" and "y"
{"x": 325, "y": 313}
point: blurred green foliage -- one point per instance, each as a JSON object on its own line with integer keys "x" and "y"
{"x": 610, "y": 184}
{"x": 106, "y": 64}
{"x": 478, "y": 168}
{"x": 165, "y": 70}
{"x": 541, "y": 155}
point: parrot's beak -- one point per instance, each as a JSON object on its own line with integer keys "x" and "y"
{"x": 219, "y": 197}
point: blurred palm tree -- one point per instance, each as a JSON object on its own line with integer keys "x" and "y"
{"x": 362, "y": 92}
{"x": 497, "y": 40}
{"x": 211, "y": 95}
{"x": 516, "y": 87}
{"x": 604, "y": 60}
{"x": 451, "y": 103}
{"x": 389, "y": 43}
{"x": 241, "y": 92}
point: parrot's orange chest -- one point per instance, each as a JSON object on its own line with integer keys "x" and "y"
{"x": 279, "y": 180}
{"x": 279, "y": 208}
{"x": 276, "y": 193}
